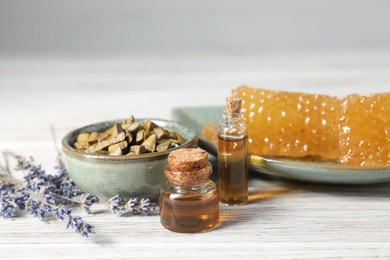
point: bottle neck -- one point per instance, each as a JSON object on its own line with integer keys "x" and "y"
{"x": 189, "y": 189}
{"x": 233, "y": 118}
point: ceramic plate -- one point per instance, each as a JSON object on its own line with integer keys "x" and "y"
{"x": 296, "y": 169}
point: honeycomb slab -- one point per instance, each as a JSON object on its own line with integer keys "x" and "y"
{"x": 365, "y": 130}
{"x": 290, "y": 124}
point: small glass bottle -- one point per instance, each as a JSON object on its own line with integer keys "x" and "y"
{"x": 189, "y": 203}
{"x": 232, "y": 155}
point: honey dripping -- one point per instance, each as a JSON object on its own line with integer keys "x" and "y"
{"x": 189, "y": 202}
{"x": 232, "y": 156}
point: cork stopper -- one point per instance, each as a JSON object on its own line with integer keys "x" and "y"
{"x": 233, "y": 105}
{"x": 187, "y": 159}
{"x": 188, "y": 167}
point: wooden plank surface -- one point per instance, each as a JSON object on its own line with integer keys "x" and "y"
{"x": 283, "y": 220}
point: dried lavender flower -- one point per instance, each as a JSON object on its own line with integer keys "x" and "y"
{"x": 4, "y": 186}
{"x": 23, "y": 163}
{"x": 67, "y": 189}
{"x": 146, "y": 207}
{"x": 49, "y": 199}
{"x": 21, "y": 200}
{"x": 116, "y": 204}
{"x": 61, "y": 212}
{"x": 6, "y": 206}
{"x": 87, "y": 200}
{"x": 78, "y": 224}
{"x": 34, "y": 208}
{"x": 132, "y": 206}
{"x": 6, "y": 210}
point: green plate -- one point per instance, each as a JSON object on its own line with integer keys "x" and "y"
{"x": 296, "y": 169}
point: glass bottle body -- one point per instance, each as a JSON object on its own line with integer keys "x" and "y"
{"x": 232, "y": 160}
{"x": 189, "y": 209}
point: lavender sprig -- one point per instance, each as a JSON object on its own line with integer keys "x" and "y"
{"x": 42, "y": 194}
{"x": 39, "y": 210}
{"x": 59, "y": 188}
{"x": 37, "y": 180}
{"x": 133, "y": 206}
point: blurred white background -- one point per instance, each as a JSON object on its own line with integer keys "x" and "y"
{"x": 219, "y": 26}
{"x": 70, "y": 63}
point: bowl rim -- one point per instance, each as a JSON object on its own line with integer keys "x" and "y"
{"x": 68, "y": 149}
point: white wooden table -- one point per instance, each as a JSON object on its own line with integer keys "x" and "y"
{"x": 285, "y": 220}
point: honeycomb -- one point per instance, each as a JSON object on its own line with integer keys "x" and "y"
{"x": 290, "y": 124}
{"x": 365, "y": 130}
{"x": 210, "y": 133}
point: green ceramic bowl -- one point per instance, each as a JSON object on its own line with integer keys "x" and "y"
{"x": 129, "y": 176}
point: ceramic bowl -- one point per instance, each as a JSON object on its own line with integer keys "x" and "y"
{"x": 129, "y": 176}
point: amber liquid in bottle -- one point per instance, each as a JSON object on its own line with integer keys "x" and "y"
{"x": 190, "y": 211}
{"x": 232, "y": 170}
